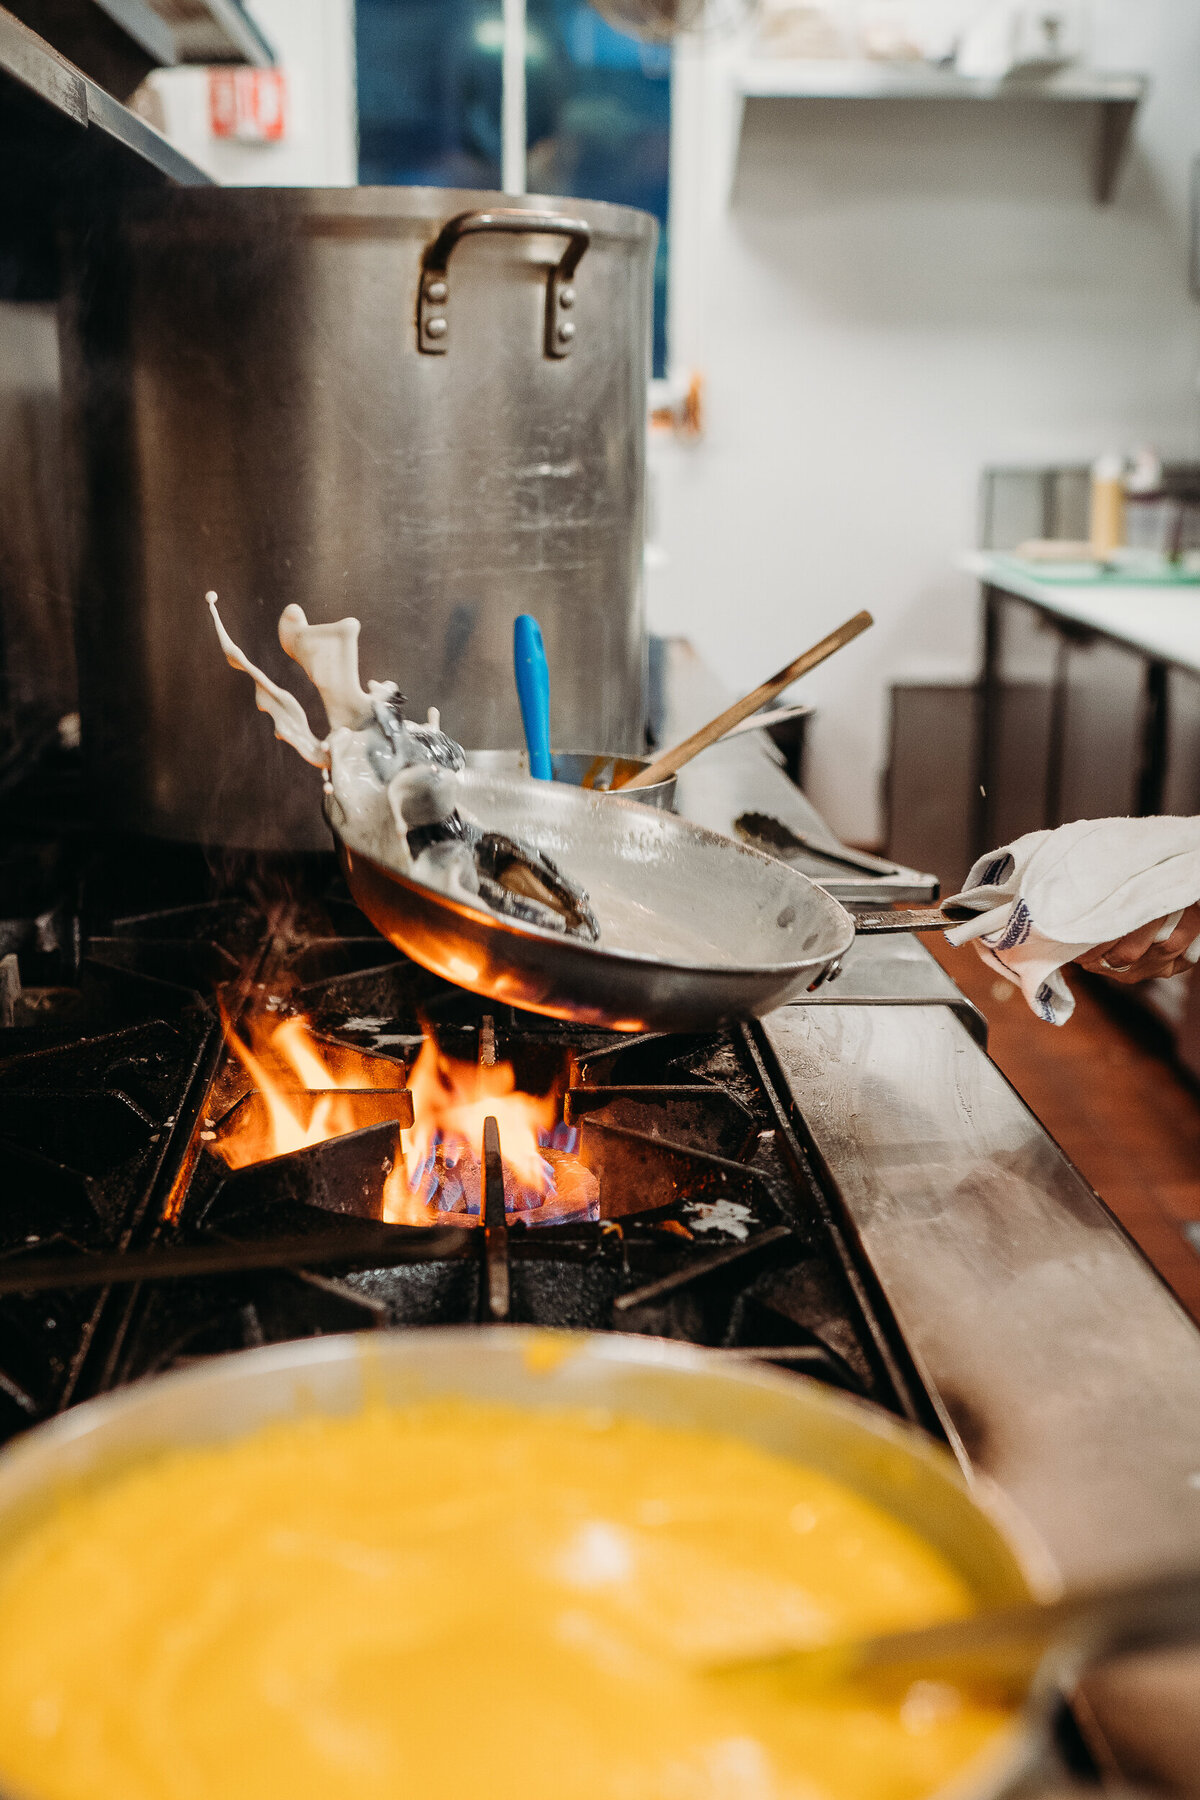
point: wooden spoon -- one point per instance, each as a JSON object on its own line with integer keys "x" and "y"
{"x": 673, "y": 760}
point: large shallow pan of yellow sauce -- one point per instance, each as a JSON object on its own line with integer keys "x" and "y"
{"x": 471, "y": 1565}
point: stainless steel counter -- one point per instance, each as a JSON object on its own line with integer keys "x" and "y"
{"x": 1059, "y": 1363}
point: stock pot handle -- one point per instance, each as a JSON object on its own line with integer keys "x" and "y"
{"x": 433, "y": 325}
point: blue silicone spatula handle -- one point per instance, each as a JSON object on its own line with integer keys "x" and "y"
{"x": 533, "y": 692}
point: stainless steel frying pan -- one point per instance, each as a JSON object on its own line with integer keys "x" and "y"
{"x": 696, "y": 929}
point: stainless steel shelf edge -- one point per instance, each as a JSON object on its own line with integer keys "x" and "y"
{"x": 1060, "y": 1363}
{"x": 67, "y": 95}
{"x": 30, "y": 62}
{"x": 125, "y": 129}
{"x": 215, "y": 31}
{"x": 140, "y": 21}
{"x": 161, "y": 32}
{"x": 1117, "y": 96}
{"x": 787, "y": 78}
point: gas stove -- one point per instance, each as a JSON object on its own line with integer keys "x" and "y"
{"x": 847, "y": 1188}
{"x": 155, "y": 1214}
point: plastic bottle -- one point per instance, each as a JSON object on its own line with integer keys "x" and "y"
{"x": 1107, "y": 532}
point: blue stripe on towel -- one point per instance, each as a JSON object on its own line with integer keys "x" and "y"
{"x": 1018, "y": 928}
{"x": 998, "y": 870}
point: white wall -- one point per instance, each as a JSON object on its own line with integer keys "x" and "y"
{"x": 314, "y": 43}
{"x": 899, "y": 294}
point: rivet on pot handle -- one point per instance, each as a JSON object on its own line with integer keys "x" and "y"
{"x": 433, "y": 322}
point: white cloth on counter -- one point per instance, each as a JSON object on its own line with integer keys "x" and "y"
{"x": 1053, "y": 896}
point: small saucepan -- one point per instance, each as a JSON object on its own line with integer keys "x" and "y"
{"x": 597, "y": 770}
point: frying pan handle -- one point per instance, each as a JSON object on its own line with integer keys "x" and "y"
{"x": 433, "y": 325}
{"x": 914, "y": 918}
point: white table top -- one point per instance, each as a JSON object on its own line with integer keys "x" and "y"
{"x": 1161, "y": 621}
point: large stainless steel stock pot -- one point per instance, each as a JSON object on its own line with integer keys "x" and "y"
{"x": 424, "y": 407}
{"x": 671, "y": 1384}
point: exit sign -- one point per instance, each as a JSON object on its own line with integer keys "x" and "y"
{"x": 249, "y": 106}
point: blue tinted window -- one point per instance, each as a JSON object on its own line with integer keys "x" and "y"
{"x": 599, "y": 106}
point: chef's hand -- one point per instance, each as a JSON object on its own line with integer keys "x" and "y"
{"x": 1139, "y": 956}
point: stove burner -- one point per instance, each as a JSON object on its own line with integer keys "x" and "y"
{"x": 129, "y": 1245}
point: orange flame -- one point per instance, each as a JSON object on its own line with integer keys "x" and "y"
{"x": 451, "y": 1100}
{"x": 305, "y": 1090}
{"x": 308, "y": 1091}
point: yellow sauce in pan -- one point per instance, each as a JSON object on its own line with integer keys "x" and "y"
{"x": 460, "y": 1602}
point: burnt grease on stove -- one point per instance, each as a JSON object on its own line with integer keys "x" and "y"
{"x": 689, "y": 1212}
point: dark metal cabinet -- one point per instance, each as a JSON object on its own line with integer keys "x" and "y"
{"x": 931, "y": 780}
{"x": 1072, "y": 722}
{"x": 1020, "y": 685}
{"x": 1105, "y": 717}
{"x": 1181, "y": 794}
{"x": 1181, "y": 744}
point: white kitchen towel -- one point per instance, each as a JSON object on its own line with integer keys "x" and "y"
{"x": 1054, "y": 895}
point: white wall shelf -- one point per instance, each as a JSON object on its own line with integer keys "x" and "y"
{"x": 1116, "y": 97}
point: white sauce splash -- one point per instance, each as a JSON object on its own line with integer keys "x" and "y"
{"x": 386, "y": 776}
{"x": 360, "y": 751}
{"x": 291, "y": 724}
